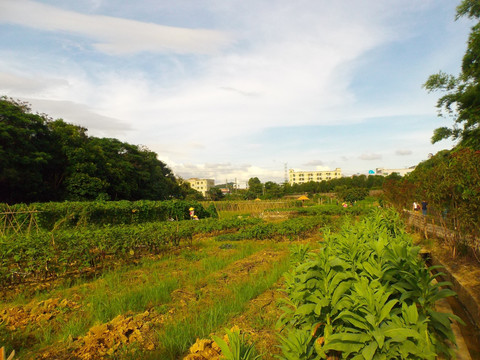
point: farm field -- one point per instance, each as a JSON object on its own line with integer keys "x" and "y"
{"x": 175, "y": 298}
{"x": 155, "y": 302}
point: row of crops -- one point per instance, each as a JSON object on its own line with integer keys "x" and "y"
{"x": 63, "y": 215}
{"x": 366, "y": 295}
{"x": 46, "y": 253}
{"x": 55, "y": 215}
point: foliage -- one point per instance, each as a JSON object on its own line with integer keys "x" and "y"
{"x": 271, "y": 190}
{"x": 290, "y": 229}
{"x": 237, "y": 347}
{"x": 449, "y": 182}
{"x": 367, "y": 295}
{"x": 357, "y": 181}
{"x": 50, "y": 253}
{"x": 50, "y": 160}
{"x": 29, "y": 158}
{"x": 255, "y": 189}
{"x": 215, "y": 194}
{"x": 462, "y": 98}
{"x": 52, "y": 215}
{"x": 352, "y": 194}
{"x": 332, "y": 209}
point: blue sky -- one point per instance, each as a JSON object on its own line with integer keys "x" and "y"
{"x": 235, "y": 89}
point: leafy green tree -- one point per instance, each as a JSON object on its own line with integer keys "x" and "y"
{"x": 185, "y": 191}
{"x": 27, "y": 152}
{"x": 355, "y": 194}
{"x": 215, "y": 194}
{"x": 462, "y": 93}
{"x": 70, "y": 142}
{"x": 255, "y": 187}
{"x": 273, "y": 190}
{"x": 44, "y": 159}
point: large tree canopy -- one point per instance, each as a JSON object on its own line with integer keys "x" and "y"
{"x": 43, "y": 159}
{"x": 462, "y": 93}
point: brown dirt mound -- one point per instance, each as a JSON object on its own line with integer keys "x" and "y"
{"x": 105, "y": 339}
{"x": 140, "y": 330}
{"x": 19, "y": 317}
{"x": 204, "y": 349}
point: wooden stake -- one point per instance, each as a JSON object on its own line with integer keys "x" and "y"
{"x": 2, "y": 354}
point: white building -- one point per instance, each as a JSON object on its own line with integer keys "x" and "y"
{"x": 201, "y": 185}
{"x": 301, "y": 177}
{"x": 401, "y": 172}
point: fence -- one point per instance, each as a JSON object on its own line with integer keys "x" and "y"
{"x": 252, "y": 206}
{"x": 441, "y": 227}
{"x": 18, "y": 222}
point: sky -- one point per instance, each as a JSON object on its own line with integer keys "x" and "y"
{"x": 234, "y": 89}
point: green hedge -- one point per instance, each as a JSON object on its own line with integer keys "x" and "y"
{"x": 76, "y": 214}
{"x": 330, "y": 209}
{"x": 290, "y": 229}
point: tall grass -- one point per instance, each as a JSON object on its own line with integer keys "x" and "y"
{"x": 114, "y": 296}
{"x": 176, "y": 338}
{"x": 105, "y": 306}
{"x": 226, "y": 209}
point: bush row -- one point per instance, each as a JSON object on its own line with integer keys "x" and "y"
{"x": 74, "y": 214}
{"x": 332, "y": 209}
{"x": 289, "y": 229}
{"x": 53, "y": 252}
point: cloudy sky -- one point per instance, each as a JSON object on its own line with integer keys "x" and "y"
{"x": 231, "y": 89}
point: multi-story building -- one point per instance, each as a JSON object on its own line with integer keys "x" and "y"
{"x": 301, "y": 177}
{"x": 401, "y": 172}
{"x": 201, "y": 185}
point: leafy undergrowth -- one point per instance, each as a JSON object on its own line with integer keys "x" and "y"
{"x": 366, "y": 295}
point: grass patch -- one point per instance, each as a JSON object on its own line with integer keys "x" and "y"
{"x": 105, "y": 307}
{"x": 176, "y": 338}
{"x": 114, "y": 296}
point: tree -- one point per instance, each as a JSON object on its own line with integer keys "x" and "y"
{"x": 42, "y": 159}
{"x": 185, "y": 191}
{"x": 462, "y": 98}
{"x": 255, "y": 187}
{"x": 215, "y": 194}
{"x": 27, "y": 151}
{"x": 273, "y": 190}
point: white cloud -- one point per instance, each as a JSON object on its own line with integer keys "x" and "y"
{"x": 22, "y": 84}
{"x": 113, "y": 35}
{"x": 403, "y": 152}
{"x": 269, "y": 65}
{"x": 317, "y": 165}
{"x": 369, "y": 157}
{"x": 81, "y": 114}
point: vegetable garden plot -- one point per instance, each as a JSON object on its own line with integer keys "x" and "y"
{"x": 48, "y": 254}
{"x": 68, "y": 322}
{"x": 150, "y": 329}
{"x": 367, "y": 295}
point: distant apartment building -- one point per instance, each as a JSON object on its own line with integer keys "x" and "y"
{"x": 301, "y": 177}
{"x": 201, "y": 185}
{"x": 401, "y": 172}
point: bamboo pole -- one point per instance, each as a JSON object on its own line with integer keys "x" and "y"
{"x": 3, "y": 356}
